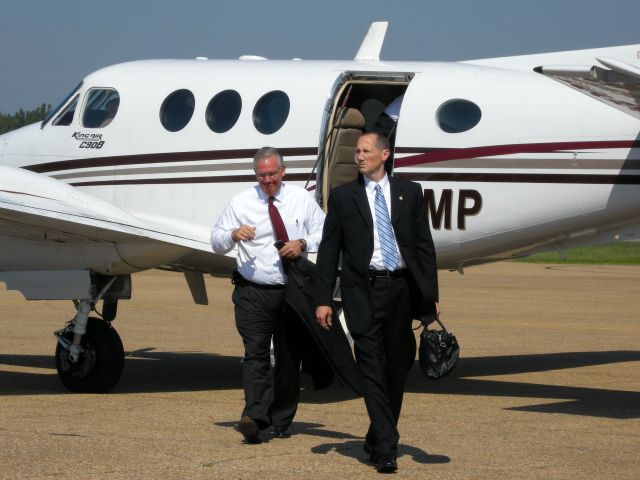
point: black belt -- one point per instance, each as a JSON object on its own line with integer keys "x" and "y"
{"x": 401, "y": 272}
{"x": 238, "y": 279}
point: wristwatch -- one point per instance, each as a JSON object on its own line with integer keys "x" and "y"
{"x": 303, "y": 244}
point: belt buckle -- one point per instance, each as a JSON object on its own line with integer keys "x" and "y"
{"x": 373, "y": 273}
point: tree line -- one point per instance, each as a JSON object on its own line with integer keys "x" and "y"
{"x": 22, "y": 118}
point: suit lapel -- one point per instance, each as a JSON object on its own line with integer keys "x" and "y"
{"x": 362, "y": 204}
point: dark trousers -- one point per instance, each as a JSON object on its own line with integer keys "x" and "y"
{"x": 386, "y": 352}
{"x": 271, "y": 397}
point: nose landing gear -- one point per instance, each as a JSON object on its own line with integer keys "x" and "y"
{"x": 89, "y": 354}
{"x": 100, "y": 362}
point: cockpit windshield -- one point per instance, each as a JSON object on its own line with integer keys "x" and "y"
{"x": 55, "y": 110}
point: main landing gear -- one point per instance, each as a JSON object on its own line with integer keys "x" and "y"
{"x": 89, "y": 353}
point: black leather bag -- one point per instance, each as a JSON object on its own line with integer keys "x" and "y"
{"x": 439, "y": 351}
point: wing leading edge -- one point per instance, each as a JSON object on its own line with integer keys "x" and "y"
{"x": 47, "y": 222}
{"x": 618, "y": 85}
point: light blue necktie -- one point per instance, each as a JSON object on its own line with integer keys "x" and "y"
{"x": 385, "y": 233}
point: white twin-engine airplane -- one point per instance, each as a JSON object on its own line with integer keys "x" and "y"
{"x": 131, "y": 170}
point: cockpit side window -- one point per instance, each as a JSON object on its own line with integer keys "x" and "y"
{"x": 54, "y": 111}
{"x": 100, "y": 108}
{"x": 66, "y": 116}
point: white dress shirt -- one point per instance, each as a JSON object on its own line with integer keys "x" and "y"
{"x": 393, "y": 109}
{"x": 376, "y": 262}
{"x": 258, "y": 260}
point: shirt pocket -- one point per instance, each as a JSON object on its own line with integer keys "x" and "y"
{"x": 295, "y": 229}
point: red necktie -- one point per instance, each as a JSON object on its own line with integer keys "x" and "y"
{"x": 276, "y": 220}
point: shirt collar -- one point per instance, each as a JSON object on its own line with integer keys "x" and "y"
{"x": 277, "y": 197}
{"x": 371, "y": 185}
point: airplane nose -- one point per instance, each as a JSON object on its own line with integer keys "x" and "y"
{"x": 3, "y": 146}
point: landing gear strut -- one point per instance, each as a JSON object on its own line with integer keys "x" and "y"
{"x": 99, "y": 365}
{"x": 89, "y": 353}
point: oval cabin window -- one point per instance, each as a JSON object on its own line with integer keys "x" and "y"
{"x": 223, "y": 111}
{"x": 177, "y": 109}
{"x": 271, "y": 112}
{"x": 456, "y": 116}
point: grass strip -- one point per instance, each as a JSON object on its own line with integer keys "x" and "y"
{"x": 623, "y": 253}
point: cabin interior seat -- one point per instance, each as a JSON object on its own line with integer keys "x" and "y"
{"x": 349, "y": 125}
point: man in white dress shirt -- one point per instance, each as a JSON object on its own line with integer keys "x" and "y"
{"x": 270, "y": 224}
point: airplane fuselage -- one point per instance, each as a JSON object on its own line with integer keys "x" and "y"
{"x": 543, "y": 165}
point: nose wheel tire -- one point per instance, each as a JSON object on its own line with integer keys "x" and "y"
{"x": 100, "y": 364}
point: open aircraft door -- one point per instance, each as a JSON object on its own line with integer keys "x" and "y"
{"x": 357, "y": 102}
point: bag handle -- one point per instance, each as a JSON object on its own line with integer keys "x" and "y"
{"x": 428, "y": 320}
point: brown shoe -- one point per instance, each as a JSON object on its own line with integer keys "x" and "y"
{"x": 249, "y": 429}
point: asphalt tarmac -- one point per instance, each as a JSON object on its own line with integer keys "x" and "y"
{"x": 548, "y": 386}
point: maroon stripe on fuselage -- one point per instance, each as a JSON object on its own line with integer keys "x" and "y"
{"x": 432, "y": 155}
{"x": 170, "y": 157}
{"x": 425, "y": 177}
{"x": 522, "y": 178}
{"x": 424, "y": 155}
{"x": 189, "y": 180}
{"x": 421, "y": 156}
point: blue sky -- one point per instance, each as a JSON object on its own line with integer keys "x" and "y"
{"x": 47, "y": 46}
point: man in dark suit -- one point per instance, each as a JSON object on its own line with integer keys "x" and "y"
{"x": 378, "y": 226}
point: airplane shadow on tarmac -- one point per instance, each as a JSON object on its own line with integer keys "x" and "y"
{"x": 148, "y": 370}
{"x": 595, "y": 402}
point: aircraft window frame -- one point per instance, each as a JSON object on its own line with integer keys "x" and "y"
{"x": 458, "y": 115}
{"x": 65, "y": 118}
{"x": 223, "y": 111}
{"x": 98, "y": 110}
{"x": 175, "y": 111}
{"x": 52, "y": 113}
{"x": 268, "y": 115}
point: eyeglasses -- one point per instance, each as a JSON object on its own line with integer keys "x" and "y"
{"x": 262, "y": 176}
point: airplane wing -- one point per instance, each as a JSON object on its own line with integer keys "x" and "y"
{"x": 618, "y": 85}
{"x": 36, "y": 208}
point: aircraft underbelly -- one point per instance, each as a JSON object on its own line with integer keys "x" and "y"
{"x": 108, "y": 258}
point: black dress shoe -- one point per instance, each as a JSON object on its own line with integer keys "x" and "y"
{"x": 249, "y": 429}
{"x": 387, "y": 464}
{"x": 282, "y": 431}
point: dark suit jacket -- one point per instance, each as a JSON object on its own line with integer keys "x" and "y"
{"x": 348, "y": 230}
{"x": 326, "y": 351}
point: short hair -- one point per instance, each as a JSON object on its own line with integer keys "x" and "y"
{"x": 382, "y": 142}
{"x": 266, "y": 152}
